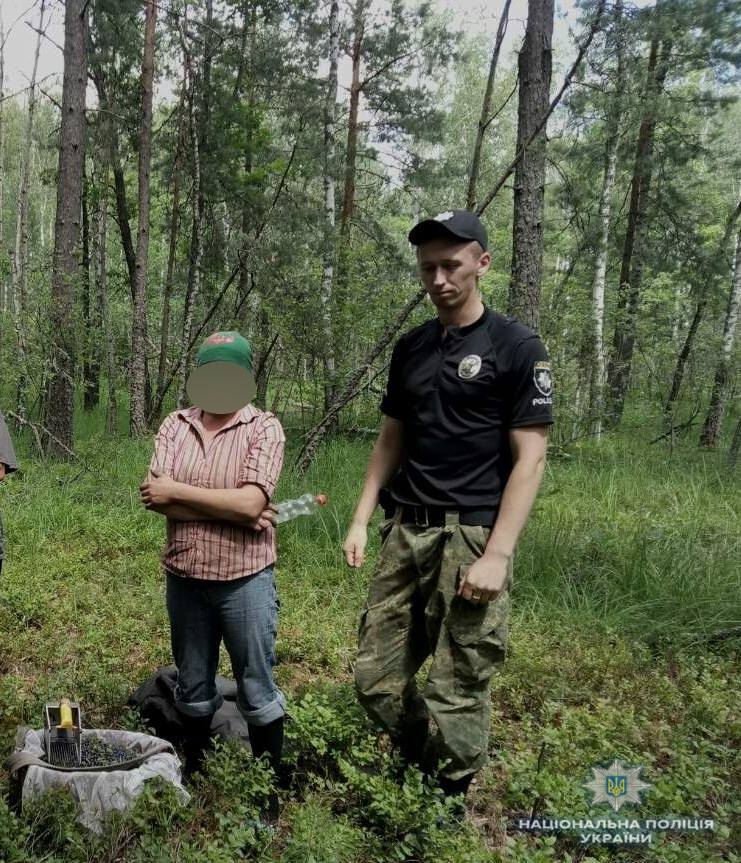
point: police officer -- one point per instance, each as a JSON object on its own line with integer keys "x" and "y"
{"x": 460, "y": 456}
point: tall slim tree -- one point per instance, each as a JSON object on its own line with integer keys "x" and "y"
{"x": 329, "y": 250}
{"x": 139, "y": 321}
{"x": 631, "y": 268}
{"x": 534, "y": 66}
{"x": 714, "y": 419}
{"x": 20, "y": 266}
{"x": 65, "y": 267}
{"x": 613, "y": 119}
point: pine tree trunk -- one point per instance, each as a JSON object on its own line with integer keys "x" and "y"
{"x": 631, "y": 269}
{"x": 330, "y": 109}
{"x": 596, "y": 359}
{"x": 65, "y": 268}
{"x": 484, "y": 120}
{"x": 138, "y": 420}
{"x": 714, "y": 418}
{"x": 534, "y": 65}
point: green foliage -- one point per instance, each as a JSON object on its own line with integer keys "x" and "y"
{"x": 318, "y": 835}
{"x": 608, "y": 658}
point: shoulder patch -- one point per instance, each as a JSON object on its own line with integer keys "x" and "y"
{"x": 542, "y": 378}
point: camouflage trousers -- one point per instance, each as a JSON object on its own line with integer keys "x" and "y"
{"x": 413, "y": 613}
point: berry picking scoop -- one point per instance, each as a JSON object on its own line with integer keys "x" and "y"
{"x": 62, "y": 733}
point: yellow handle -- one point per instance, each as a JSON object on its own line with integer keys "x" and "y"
{"x": 65, "y": 714}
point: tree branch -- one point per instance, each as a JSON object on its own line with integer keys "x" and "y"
{"x": 541, "y": 125}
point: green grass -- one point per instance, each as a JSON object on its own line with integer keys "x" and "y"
{"x": 628, "y": 569}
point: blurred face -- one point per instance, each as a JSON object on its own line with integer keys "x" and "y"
{"x": 449, "y": 270}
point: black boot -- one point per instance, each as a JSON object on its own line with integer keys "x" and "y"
{"x": 454, "y": 787}
{"x": 196, "y": 744}
{"x": 413, "y": 743}
{"x": 455, "y": 791}
{"x": 268, "y": 740}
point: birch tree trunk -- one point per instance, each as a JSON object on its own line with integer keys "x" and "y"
{"x": 534, "y": 66}
{"x": 138, "y": 417}
{"x": 735, "y": 445}
{"x": 21, "y": 232}
{"x": 172, "y": 249}
{"x": 612, "y": 133}
{"x": 714, "y": 418}
{"x": 356, "y": 86}
{"x": 90, "y": 365}
{"x": 65, "y": 269}
{"x": 330, "y": 109}
{"x": 20, "y": 268}
{"x": 111, "y": 414}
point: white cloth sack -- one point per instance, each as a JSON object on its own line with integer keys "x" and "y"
{"x": 101, "y": 792}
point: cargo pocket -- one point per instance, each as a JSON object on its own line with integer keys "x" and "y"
{"x": 478, "y": 638}
{"x": 384, "y": 529}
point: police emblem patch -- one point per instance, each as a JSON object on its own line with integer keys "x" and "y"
{"x": 617, "y": 785}
{"x": 469, "y": 367}
{"x": 542, "y": 378}
{"x": 443, "y": 217}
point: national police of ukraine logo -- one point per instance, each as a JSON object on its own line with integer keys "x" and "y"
{"x": 617, "y": 784}
{"x": 542, "y": 378}
{"x": 469, "y": 367}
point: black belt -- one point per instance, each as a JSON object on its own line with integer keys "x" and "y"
{"x": 434, "y": 516}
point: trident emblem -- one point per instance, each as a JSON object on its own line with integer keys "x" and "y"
{"x": 615, "y": 785}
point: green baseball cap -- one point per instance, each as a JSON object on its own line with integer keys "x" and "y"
{"x": 223, "y": 381}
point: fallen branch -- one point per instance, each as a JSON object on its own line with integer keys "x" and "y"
{"x": 35, "y": 429}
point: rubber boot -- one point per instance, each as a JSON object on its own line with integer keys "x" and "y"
{"x": 196, "y": 744}
{"x": 413, "y": 742}
{"x": 455, "y": 790}
{"x": 268, "y": 740}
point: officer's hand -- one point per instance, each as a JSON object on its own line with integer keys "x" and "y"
{"x": 485, "y": 579}
{"x": 354, "y": 545}
{"x": 265, "y": 519}
{"x": 2, "y": 470}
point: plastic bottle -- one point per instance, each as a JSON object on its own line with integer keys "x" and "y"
{"x": 307, "y": 504}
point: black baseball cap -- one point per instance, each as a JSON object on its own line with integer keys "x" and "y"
{"x": 460, "y": 224}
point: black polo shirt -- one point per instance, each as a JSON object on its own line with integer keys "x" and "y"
{"x": 458, "y": 396}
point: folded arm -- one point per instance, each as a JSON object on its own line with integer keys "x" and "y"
{"x": 180, "y": 501}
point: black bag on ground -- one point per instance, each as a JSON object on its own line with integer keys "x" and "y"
{"x": 155, "y": 701}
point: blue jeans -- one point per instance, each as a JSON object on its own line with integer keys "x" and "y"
{"x": 245, "y": 614}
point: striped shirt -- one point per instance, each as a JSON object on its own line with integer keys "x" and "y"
{"x": 247, "y": 451}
